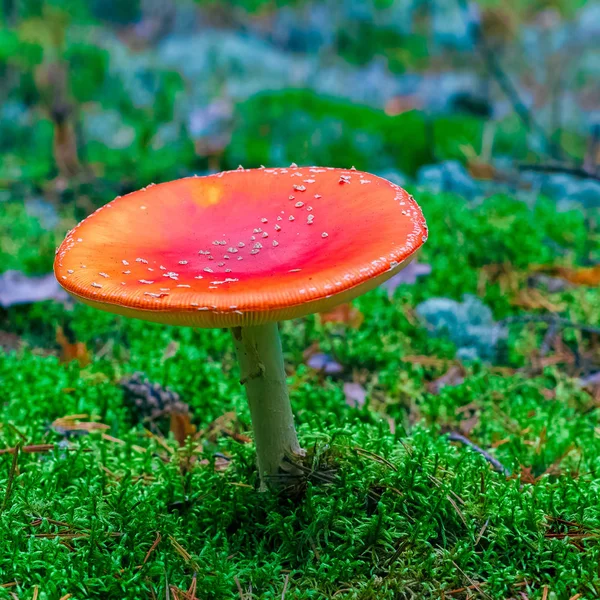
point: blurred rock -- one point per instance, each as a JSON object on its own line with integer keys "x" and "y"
{"x": 469, "y": 324}
{"x": 119, "y": 13}
{"x": 247, "y": 65}
{"x": 408, "y": 276}
{"x": 394, "y": 176}
{"x": 324, "y": 363}
{"x": 437, "y": 92}
{"x": 210, "y": 119}
{"x": 18, "y": 288}
{"x": 452, "y": 25}
{"x": 107, "y": 127}
{"x": 210, "y": 126}
{"x": 166, "y": 134}
{"x": 15, "y": 113}
{"x": 551, "y": 284}
{"x": 569, "y": 191}
{"x": 588, "y": 21}
{"x": 305, "y": 28}
{"x": 355, "y": 394}
{"x": 372, "y": 84}
{"x": 448, "y": 176}
{"x": 43, "y": 211}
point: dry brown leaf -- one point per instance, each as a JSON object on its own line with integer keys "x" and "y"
{"x": 401, "y": 104}
{"x": 74, "y": 423}
{"x": 181, "y": 427}
{"x": 221, "y": 464}
{"x": 72, "y": 351}
{"x": 501, "y": 442}
{"x": 391, "y": 423}
{"x": 171, "y": 350}
{"x": 227, "y": 424}
{"x": 30, "y": 449}
{"x": 562, "y": 355}
{"x": 591, "y": 385}
{"x": 466, "y": 426}
{"x": 426, "y": 361}
{"x": 548, "y": 393}
{"x": 454, "y": 376}
{"x": 532, "y": 299}
{"x": 480, "y": 169}
{"x": 527, "y": 476}
{"x": 503, "y": 274}
{"x": 9, "y": 341}
{"x": 589, "y": 276}
{"x": 344, "y": 313}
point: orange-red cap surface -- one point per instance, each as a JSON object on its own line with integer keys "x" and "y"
{"x": 241, "y": 247}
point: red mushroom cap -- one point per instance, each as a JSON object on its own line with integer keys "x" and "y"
{"x": 241, "y": 247}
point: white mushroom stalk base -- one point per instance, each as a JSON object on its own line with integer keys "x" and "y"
{"x": 261, "y": 363}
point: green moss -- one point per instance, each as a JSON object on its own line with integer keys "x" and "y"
{"x": 24, "y": 243}
{"x": 307, "y": 128}
{"x": 384, "y": 515}
{"x": 374, "y": 531}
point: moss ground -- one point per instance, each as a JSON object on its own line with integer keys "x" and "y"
{"x": 390, "y": 507}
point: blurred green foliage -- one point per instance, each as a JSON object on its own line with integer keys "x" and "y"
{"x": 302, "y": 126}
{"x": 361, "y": 42}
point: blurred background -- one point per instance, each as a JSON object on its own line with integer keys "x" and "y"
{"x": 488, "y": 111}
{"x": 100, "y": 97}
{"x": 474, "y": 98}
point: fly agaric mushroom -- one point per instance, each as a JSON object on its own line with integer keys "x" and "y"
{"x": 244, "y": 249}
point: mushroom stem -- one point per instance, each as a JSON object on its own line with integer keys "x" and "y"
{"x": 259, "y": 353}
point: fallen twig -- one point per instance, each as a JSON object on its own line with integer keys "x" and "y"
{"x": 183, "y": 553}
{"x": 490, "y": 59}
{"x": 285, "y": 584}
{"x": 239, "y": 587}
{"x": 498, "y": 466}
{"x": 545, "y": 591}
{"x": 575, "y": 171}
{"x": 375, "y": 457}
{"x": 475, "y": 584}
{"x": 549, "y": 338}
{"x": 550, "y": 319}
{"x": 152, "y": 548}
{"x": 481, "y": 532}
{"x": 31, "y": 449}
{"x": 462, "y": 590}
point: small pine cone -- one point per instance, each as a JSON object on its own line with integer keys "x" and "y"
{"x": 150, "y": 401}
